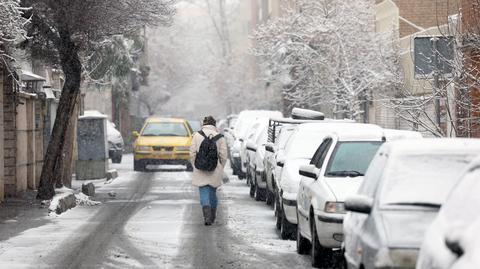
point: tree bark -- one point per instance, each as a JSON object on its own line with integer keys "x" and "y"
{"x": 72, "y": 68}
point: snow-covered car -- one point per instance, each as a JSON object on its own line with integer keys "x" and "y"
{"x": 115, "y": 143}
{"x": 246, "y": 152}
{"x": 404, "y": 188}
{"x": 453, "y": 240}
{"x": 242, "y": 126}
{"x": 299, "y": 150}
{"x": 393, "y": 134}
{"x": 256, "y": 168}
{"x": 335, "y": 171}
{"x": 273, "y": 150}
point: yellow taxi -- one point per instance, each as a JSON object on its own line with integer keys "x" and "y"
{"x": 162, "y": 141}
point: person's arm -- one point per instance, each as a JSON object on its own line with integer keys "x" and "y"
{"x": 193, "y": 149}
{"x": 222, "y": 151}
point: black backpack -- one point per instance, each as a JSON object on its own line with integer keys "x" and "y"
{"x": 207, "y": 155}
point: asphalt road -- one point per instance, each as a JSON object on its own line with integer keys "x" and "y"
{"x": 153, "y": 220}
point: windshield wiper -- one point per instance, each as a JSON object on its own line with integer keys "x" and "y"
{"x": 421, "y": 204}
{"x": 344, "y": 174}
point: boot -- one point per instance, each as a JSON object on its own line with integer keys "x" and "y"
{"x": 214, "y": 214}
{"x": 207, "y": 215}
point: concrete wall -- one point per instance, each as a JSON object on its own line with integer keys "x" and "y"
{"x": 2, "y": 181}
{"x": 10, "y": 138}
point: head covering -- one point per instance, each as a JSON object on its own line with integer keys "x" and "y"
{"x": 209, "y": 120}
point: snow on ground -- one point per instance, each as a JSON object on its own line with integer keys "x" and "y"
{"x": 253, "y": 221}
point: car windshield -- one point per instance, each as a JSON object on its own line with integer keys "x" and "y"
{"x": 165, "y": 129}
{"x": 422, "y": 179}
{"x": 351, "y": 159}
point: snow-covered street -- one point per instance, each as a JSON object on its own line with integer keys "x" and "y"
{"x": 152, "y": 220}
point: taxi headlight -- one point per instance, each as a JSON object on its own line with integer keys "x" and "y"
{"x": 143, "y": 148}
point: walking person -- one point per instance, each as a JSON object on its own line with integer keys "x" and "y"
{"x": 208, "y": 155}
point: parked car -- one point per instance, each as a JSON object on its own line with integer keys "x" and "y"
{"x": 405, "y": 186}
{"x": 115, "y": 143}
{"x": 242, "y": 125}
{"x": 245, "y": 154}
{"x": 162, "y": 141}
{"x": 335, "y": 171}
{"x": 256, "y": 168}
{"x": 453, "y": 241}
{"x": 272, "y": 151}
{"x": 299, "y": 150}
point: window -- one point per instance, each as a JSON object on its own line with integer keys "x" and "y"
{"x": 165, "y": 129}
{"x": 351, "y": 159}
{"x": 321, "y": 153}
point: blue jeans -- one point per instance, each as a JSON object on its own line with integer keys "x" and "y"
{"x": 208, "y": 196}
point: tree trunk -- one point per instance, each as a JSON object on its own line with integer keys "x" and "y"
{"x": 72, "y": 68}
{"x": 64, "y": 166}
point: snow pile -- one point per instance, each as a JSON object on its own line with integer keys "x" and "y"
{"x": 63, "y": 200}
{"x": 83, "y": 199}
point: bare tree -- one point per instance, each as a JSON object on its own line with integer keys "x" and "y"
{"x": 327, "y": 53}
{"x": 447, "y": 104}
{"x": 12, "y": 27}
{"x": 66, "y": 27}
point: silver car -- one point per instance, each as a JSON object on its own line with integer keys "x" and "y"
{"x": 403, "y": 190}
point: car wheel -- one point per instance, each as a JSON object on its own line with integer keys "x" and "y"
{"x": 117, "y": 158}
{"x": 139, "y": 166}
{"x": 320, "y": 255}
{"x": 278, "y": 215}
{"x": 269, "y": 197}
{"x": 303, "y": 245}
{"x": 252, "y": 190}
{"x": 189, "y": 167}
{"x": 287, "y": 229}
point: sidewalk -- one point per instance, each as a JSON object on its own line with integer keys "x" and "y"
{"x": 20, "y": 214}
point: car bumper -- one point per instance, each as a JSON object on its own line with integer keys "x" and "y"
{"x": 114, "y": 152}
{"x": 330, "y": 229}
{"x": 163, "y": 156}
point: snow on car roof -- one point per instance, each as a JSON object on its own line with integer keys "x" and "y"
{"x": 392, "y": 134}
{"x": 429, "y": 145}
{"x": 92, "y": 114}
{"x": 346, "y": 131}
{"x": 260, "y": 113}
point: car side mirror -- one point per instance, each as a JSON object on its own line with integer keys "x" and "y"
{"x": 359, "y": 204}
{"x": 269, "y": 147}
{"x": 308, "y": 170}
{"x": 251, "y": 146}
{"x": 135, "y": 134}
{"x": 281, "y": 161}
{"x": 454, "y": 246}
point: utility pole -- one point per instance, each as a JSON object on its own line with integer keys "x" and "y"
{"x": 436, "y": 81}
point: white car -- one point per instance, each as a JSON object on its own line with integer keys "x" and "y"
{"x": 335, "y": 171}
{"x": 457, "y": 223}
{"x": 256, "y": 155}
{"x": 115, "y": 143}
{"x": 299, "y": 150}
{"x": 404, "y": 187}
{"x": 272, "y": 170}
{"x": 242, "y": 126}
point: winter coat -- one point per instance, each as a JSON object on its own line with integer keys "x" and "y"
{"x": 214, "y": 178}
